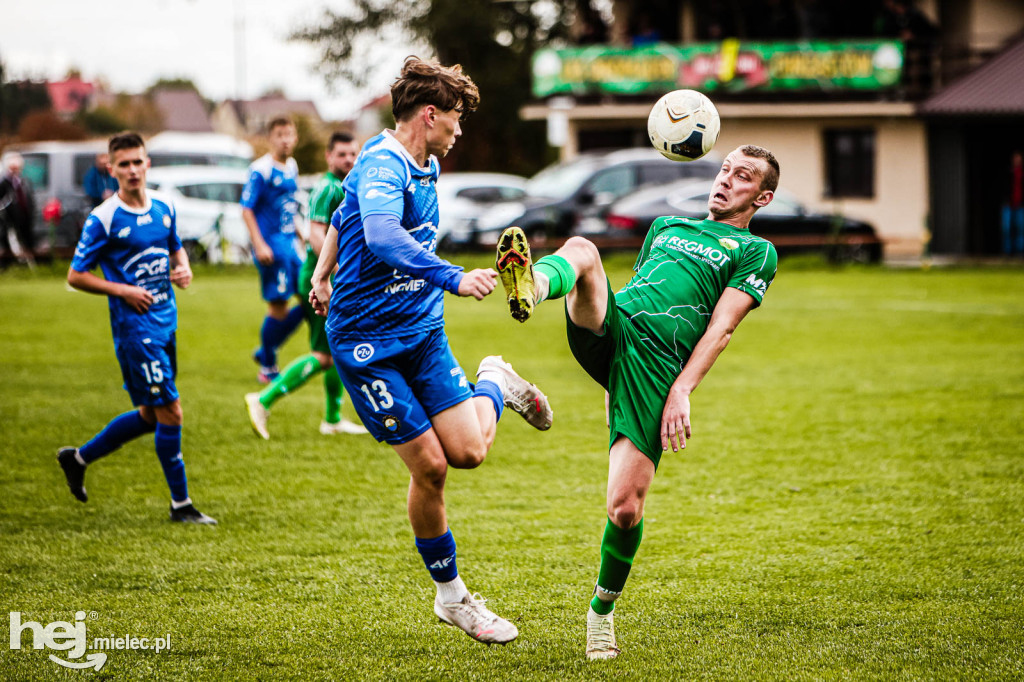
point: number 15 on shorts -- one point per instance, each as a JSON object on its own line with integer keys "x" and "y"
{"x": 379, "y": 397}
{"x": 154, "y": 374}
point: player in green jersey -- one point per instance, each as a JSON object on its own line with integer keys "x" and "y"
{"x": 650, "y": 344}
{"x": 342, "y": 151}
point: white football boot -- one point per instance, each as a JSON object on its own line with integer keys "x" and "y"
{"x": 601, "y": 636}
{"x": 472, "y": 617}
{"x": 344, "y": 426}
{"x": 258, "y": 415}
{"x": 520, "y": 394}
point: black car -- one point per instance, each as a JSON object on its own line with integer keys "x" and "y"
{"x": 785, "y": 222}
{"x": 574, "y": 195}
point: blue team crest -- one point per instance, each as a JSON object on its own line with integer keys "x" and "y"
{"x": 391, "y": 423}
{"x": 167, "y": 221}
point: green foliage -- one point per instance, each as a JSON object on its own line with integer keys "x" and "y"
{"x": 178, "y": 83}
{"x": 101, "y": 121}
{"x": 849, "y": 507}
{"x": 494, "y": 42}
{"x": 18, "y": 99}
{"x": 309, "y": 152}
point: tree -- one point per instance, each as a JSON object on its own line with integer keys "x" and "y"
{"x": 101, "y": 121}
{"x": 180, "y": 83}
{"x": 18, "y": 99}
{"x": 309, "y": 152}
{"x": 494, "y": 42}
{"x": 45, "y": 125}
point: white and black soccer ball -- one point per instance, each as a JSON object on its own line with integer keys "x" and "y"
{"x": 683, "y": 125}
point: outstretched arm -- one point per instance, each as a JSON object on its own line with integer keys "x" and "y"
{"x": 390, "y": 242}
{"x": 731, "y": 308}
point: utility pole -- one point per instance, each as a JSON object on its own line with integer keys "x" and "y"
{"x": 239, "y": 6}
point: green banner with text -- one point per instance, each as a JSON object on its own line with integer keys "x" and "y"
{"x": 730, "y": 66}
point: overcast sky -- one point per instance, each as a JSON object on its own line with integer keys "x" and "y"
{"x": 131, "y": 43}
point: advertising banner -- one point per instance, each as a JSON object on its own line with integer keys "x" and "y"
{"x": 729, "y": 66}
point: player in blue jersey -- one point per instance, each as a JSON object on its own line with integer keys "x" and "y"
{"x": 385, "y": 324}
{"x": 133, "y": 238}
{"x": 269, "y": 209}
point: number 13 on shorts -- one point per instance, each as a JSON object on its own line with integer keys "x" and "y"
{"x": 379, "y": 397}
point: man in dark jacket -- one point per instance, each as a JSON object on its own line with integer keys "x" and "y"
{"x": 17, "y": 208}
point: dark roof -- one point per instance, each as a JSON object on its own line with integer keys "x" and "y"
{"x": 182, "y": 110}
{"x": 274, "y": 105}
{"x": 996, "y": 88}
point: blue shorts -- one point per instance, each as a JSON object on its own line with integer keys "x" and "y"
{"x": 396, "y": 385}
{"x": 149, "y": 366}
{"x": 279, "y": 280}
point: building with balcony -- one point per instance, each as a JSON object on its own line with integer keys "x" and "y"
{"x": 901, "y": 113}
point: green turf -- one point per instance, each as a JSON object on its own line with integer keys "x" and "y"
{"x": 851, "y": 505}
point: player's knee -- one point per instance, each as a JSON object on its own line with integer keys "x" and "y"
{"x": 324, "y": 359}
{"x": 625, "y": 512}
{"x": 469, "y": 456}
{"x": 277, "y": 309}
{"x": 171, "y": 415}
{"x": 586, "y": 255}
{"x": 432, "y": 472}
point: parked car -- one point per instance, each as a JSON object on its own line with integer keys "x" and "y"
{"x": 785, "y": 222}
{"x": 463, "y": 197}
{"x": 209, "y": 216}
{"x": 173, "y": 148}
{"x": 574, "y": 195}
{"x": 56, "y": 170}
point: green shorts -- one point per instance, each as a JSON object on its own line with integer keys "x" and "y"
{"x": 636, "y": 378}
{"x": 317, "y": 333}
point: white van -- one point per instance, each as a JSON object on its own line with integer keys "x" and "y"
{"x": 56, "y": 171}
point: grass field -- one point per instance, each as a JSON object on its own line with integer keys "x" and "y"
{"x": 851, "y": 505}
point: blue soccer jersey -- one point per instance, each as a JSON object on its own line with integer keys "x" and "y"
{"x": 371, "y": 299}
{"x": 133, "y": 246}
{"x": 270, "y": 195}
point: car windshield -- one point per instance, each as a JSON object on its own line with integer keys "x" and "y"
{"x": 559, "y": 181}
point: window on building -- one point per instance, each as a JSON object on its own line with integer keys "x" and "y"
{"x": 850, "y": 162}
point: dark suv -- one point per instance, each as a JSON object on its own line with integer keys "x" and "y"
{"x": 564, "y": 198}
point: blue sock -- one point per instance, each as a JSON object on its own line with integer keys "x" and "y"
{"x": 120, "y": 430}
{"x": 168, "y": 449}
{"x": 492, "y": 391}
{"x": 439, "y": 556}
{"x": 275, "y": 332}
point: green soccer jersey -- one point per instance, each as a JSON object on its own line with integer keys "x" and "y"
{"x": 326, "y": 198}
{"x": 681, "y": 272}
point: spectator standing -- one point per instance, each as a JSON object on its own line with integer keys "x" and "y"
{"x": 17, "y": 210}
{"x": 99, "y": 184}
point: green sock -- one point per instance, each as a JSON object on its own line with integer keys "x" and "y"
{"x": 561, "y": 276}
{"x": 294, "y": 375}
{"x": 618, "y": 547}
{"x": 332, "y": 389}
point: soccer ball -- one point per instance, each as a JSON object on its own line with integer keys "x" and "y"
{"x": 683, "y": 125}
